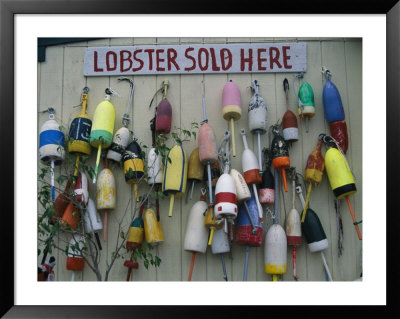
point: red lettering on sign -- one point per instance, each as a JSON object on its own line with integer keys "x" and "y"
{"x": 201, "y": 66}
{"x": 244, "y": 60}
{"x": 228, "y": 56}
{"x": 171, "y": 56}
{"x": 190, "y": 58}
{"x": 159, "y": 60}
{"x": 261, "y": 60}
{"x": 122, "y": 57}
{"x": 215, "y": 67}
{"x": 274, "y": 58}
{"x": 114, "y": 56}
{"x": 150, "y": 53}
{"x": 96, "y": 68}
{"x": 138, "y": 60}
{"x": 286, "y": 57}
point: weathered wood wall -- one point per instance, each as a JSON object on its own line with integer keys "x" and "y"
{"x": 60, "y": 82}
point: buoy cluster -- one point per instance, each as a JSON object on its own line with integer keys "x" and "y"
{"x": 230, "y": 208}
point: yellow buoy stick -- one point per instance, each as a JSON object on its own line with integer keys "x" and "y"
{"x": 306, "y": 204}
{"x": 135, "y": 189}
{"x": 274, "y": 277}
{"x": 97, "y": 164}
{"x": 211, "y": 236}
{"x": 76, "y": 167}
{"x": 171, "y": 205}
{"x": 233, "y": 137}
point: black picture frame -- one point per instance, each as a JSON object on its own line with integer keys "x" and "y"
{"x": 8, "y": 10}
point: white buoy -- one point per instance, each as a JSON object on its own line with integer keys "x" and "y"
{"x": 275, "y": 251}
{"x": 81, "y": 189}
{"x": 154, "y": 167}
{"x": 225, "y": 196}
{"x": 92, "y": 221}
{"x": 118, "y": 145}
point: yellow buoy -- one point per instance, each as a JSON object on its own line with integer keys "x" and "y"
{"x": 152, "y": 227}
{"x": 103, "y": 127}
{"x": 79, "y": 132}
{"x": 175, "y": 174}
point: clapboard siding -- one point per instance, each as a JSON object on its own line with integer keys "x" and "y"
{"x": 61, "y": 80}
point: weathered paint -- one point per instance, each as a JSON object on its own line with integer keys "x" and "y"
{"x": 105, "y": 190}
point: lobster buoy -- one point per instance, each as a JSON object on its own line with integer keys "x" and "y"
{"x": 152, "y": 227}
{"x": 79, "y": 132}
{"x": 257, "y": 117}
{"x": 313, "y": 173}
{"x": 208, "y": 153}
{"x": 275, "y": 251}
{"x": 118, "y": 145}
{"x": 196, "y": 236}
{"x": 61, "y": 203}
{"x": 51, "y": 146}
{"x": 248, "y": 227}
{"x": 154, "y": 167}
{"x": 340, "y": 177}
{"x": 266, "y": 192}
{"x": 105, "y": 194}
{"x": 92, "y": 221}
{"x": 290, "y": 129}
{"x": 225, "y": 196}
{"x": 231, "y": 108}
{"x": 315, "y": 236}
{"x": 293, "y": 229}
{"x": 81, "y": 189}
{"x": 280, "y": 154}
{"x": 133, "y": 165}
{"x": 175, "y": 174}
{"x": 164, "y": 112}
{"x": 334, "y": 112}
{"x": 195, "y": 170}
{"x": 306, "y": 102}
{"x": 242, "y": 190}
{"x": 75, "y": 261}
{"x": 134, "y": 240}
{"x": 101, "y": 134}
{"x": 251, "y": 170}
{"x": 71, "y": 216}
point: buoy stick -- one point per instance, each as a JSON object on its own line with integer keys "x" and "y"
{"x": 233, "y": 137}
{"x": 171, "y": 205}
{"x": 284, "y": 180}
{"x": 73, "y": 276}
{"x": 210, "y": 192}
{"x": 259, "y": 152}
{"x": 53, "y": 195}
{"x": 246, "y": 262}
{"x": 274, "y": 277}
{"x": 260, "y": 212}
{"x": 76, "y": 167}
{"x": 105, "y": 226}
{"x": 306, "y": 204}
{"x": 251, "y": 219}
{"x": 97, "y": 164}
{"x": 212, "y": 230}
{"x": 191, "y": 266}
{"x": 353, "y": 216}
{"x": 326, "y": 266}
{"x": 135, "y": 189}
{"x": 128, "y": 276}
{"x": 307, "y": 120}
{"x": 191, "y": 191}
{"x": 294, "y": 263}
{"x": 98, "y": 240}
{"x": 223, "y": 267}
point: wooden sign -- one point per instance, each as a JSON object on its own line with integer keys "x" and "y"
{"x": 195, "y": 58}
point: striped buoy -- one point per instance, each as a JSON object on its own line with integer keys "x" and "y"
{"x": 51, "y": 146}
{"x": 133, "y": 165}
